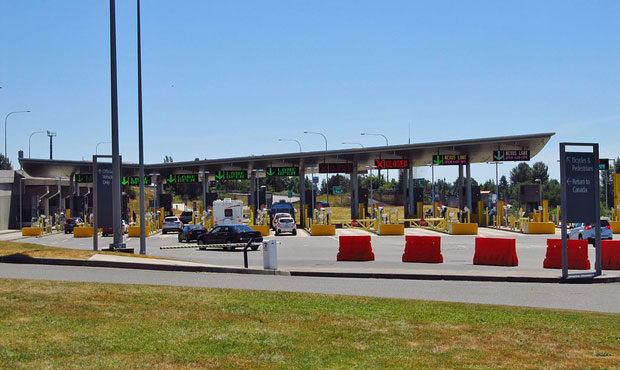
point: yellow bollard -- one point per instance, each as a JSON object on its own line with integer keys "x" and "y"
{"x": 420, "y": 210}
{"x": 500, "y": 213}
{"x": 545, "y": 210}
{"x": 436, "y": 212}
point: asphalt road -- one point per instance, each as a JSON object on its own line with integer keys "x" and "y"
{"x": 596, "y": 297}
{"x": 304, "y": 252}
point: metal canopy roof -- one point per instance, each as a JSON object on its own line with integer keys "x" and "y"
{"x": 419, "y": 154}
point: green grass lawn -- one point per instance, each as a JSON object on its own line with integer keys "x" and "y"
{"x": 46, "y": 324}
{"x": 10, "y": 248}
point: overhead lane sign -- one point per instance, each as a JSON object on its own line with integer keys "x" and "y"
{"x": 81, "y": 178}
{"x": 282, "y": 171}
{"x": 450, "y": 159}
{"x": 511, "y": 155}
{"x": 335, "y": 167}
{"x": 603, "y": 164}
{"x": 182, "y": 178}
{"x": 389, "y": 164}
{"x": 134, "y": 180}
{"x": 231, "y": 175}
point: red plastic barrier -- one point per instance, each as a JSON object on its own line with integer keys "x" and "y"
{"x": 577, "y": 254}
{"x": 495, "y": 252}
{"x": 610, "y": 253}
{"x": 422, "y": 249}
{"x": 355, "y": 248}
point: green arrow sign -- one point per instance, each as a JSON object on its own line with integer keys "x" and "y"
{"x": 134, "y": 180}
{"x": 219, "y": 175}
{"x": 498, "y": 155}
{"x": 125, "y": 181}
{"x": 171, "y": 179}
{"x": 81, "y": 178}
{"x": 282, "y": 171}
{"x": 232, "y": 175}
{"x": 437, "y": 159}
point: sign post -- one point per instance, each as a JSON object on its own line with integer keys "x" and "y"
{"x": 102, "y": 197}
{"x": 579, "y": 176}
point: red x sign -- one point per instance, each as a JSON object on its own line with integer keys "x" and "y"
{"x": 389, "y": 164}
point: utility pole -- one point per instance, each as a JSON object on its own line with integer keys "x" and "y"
{"x": 51, "y": 135}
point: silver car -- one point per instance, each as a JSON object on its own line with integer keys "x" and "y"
{"x": 587, "y": 231}
{"x": 286, "y": 225}
{"x": 171, "y": 225}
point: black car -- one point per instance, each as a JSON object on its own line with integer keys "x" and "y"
{"x": 70, "y": 223}
{"x": 186, "y": 217}
{"x": 191, "y": 232}
{"x": 231, "y": 234}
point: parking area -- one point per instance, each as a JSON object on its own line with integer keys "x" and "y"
{"x": 318, "y": 253}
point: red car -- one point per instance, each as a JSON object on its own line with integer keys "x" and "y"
{"x": 105, "y": 231}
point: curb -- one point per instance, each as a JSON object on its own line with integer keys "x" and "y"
{"x": 21, "y": 259}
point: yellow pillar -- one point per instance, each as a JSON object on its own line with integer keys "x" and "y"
{"x": 500, "y": 213}
{"x": 67, "y": 214}
{"x": 481, "y": 213}
{"x": 436, "y": 212}
{"x": 420, "y": 210}
{"x": 617, "y": 196}
{"x": 252, "y": 216}
{"x": 161, "y": 217}
{"x": 545, "y": 204}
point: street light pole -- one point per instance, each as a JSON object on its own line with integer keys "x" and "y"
{"x": 140, "y": 140}
{"x": 347, "y": 143}
{"x": 327, "y": 175}
{"x": 97, "y": 146}
{"x": 30, "y": 138}
{"x": 5, "y": 120}
{"x": 387, "y": 172}
{"x": 51, "y": 136}
{"x": 297, "y": 141}
{"x": 116, "y": 165}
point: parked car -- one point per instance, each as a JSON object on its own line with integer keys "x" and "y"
{"x": 286, "y": 225}
{"x": 105, "y": 231}
{"x": 171, "y": 224}
{"x": 187, "y": 217}
{"x": 276, "y": 217}
{"x": 587, "y": 231}
{"x": 322, "y": 205}
{"x": 230, "y": 234}
{"x": 72, "y": 222}
{"x": 191, "y": 232}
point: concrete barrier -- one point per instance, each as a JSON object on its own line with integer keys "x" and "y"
{"x": 463, "y": 229}
{"x": 615, "y": 226}
{"x": 391, "y": 229}
{"x": 539, "y": 228}
{"x": 32, "y": 231}
{"x": 323, "y": 230}
{"x": 83, "y": 232}
{"x": 264, "y": 229}
{"x": 134, "y": 231}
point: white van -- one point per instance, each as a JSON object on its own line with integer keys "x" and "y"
{"x": 227, "y": 212}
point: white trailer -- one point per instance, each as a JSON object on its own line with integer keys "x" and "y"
{"x": 227, "y": 212}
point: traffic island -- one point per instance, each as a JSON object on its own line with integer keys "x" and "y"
{"x": 463, "y": 229}
{"x": 264, "y": 229}
{"x": 539, "y": 228}
{"x": 83, "y": 232}
{"x": 391, "y": 229}
{"x": 32, "y": 231}
{"x": 323, "y": 230}
{"x": 134, "y": 231}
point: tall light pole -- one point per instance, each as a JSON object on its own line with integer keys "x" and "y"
{"x": 51, "y": 136}
{"x": 327, "y": 175}
{"x": 347, "y": 143}
{"x": 387, "y": 172}
{"x": 97, "y": 146}
{"x": 30, "y": 138}
{"x": 116, "y": 163}
{"x": 141, "y": 143}
{"x": 297, "y": 141}
{"x": 5, "y": 119}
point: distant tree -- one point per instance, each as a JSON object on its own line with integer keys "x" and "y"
{"x": 617, "y": 165}
{"x": 540, "y": 171}
{"x": 551, "y": 191}
{"x": 503, "y": 188}
{"x": 168, "y": 159}
{"x": 521, "y": 173}
{"x": 490, "y": 186}
{"x": 5, "y": 163}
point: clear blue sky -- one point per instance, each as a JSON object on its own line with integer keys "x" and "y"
{"x": 227, "y": 78}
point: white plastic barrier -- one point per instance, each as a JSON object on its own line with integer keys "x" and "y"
{"x": 270, "y": 255}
